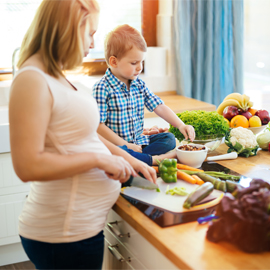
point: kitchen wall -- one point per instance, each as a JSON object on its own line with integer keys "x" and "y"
{"x": 155, "y": 82}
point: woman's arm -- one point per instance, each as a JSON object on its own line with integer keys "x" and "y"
{"x": 139, "y": 166}
{"x": 29, "y": 113}
{"x": 169, "y": 116}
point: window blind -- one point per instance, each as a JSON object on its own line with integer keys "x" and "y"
{"x": 17, "y": 15}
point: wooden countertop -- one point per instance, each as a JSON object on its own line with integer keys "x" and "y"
{"x": 180, "y": 103}
{"x": 186, "y": 244}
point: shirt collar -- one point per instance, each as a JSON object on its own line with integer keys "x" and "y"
{"x": 115, "y": 83}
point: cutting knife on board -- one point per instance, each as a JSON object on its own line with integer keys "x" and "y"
{"x": 137, "y": 181}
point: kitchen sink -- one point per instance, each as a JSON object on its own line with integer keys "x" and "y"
{"x": 4, "y": 130}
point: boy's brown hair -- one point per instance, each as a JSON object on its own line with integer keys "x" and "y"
{"x": 122, "y": 39}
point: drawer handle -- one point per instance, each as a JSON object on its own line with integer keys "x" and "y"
{"x": 115, "y": 231}
{"x": 116, "y": 254}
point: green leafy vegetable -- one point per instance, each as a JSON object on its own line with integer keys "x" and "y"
{"x": 205, "y": 124}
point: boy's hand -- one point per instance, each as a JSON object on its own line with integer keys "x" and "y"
{"x": 188, "y": 132}
{"x": 135, "y": 147}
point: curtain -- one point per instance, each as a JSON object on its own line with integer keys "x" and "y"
{"x": 208, "y": 47}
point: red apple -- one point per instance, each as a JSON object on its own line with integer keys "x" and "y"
{"x": 246, "y": 114}
{"x": 230, "y": 112}
{"x": 264, "y": 116}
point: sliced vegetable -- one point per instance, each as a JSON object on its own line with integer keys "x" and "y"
{"x": 167, "y": 170}
{"x": 181, "y": 191}
{"x": 184, "y": 176}
{"x": 186, "y": 167}
{"x": 198, "y": 195}
{"x": 199, "y": 181}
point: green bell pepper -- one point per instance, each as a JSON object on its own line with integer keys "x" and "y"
{"x": 168, "y": 170}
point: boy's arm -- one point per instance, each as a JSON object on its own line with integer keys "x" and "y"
{"x": 139, "y": 166}
{"x": 112, "y": 137}
{"x": 169, "y": 116}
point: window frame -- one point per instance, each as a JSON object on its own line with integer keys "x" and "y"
{"x": 99, "y": 66}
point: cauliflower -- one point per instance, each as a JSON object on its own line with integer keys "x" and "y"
{"x": 242, "y": 141}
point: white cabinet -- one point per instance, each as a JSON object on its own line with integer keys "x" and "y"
{"x": 13, "y": 194}
{"x": 136, "y": 251}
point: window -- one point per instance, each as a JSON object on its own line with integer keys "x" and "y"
{"x": 16, "y": 16}
{"x": 257, "y": 52}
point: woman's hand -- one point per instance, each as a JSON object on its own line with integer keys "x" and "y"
{"x": 188, "y": 132}
{"x": 140, "y": 167}
{"x": 135, "y": 147}
{"x": 116, "y": 167}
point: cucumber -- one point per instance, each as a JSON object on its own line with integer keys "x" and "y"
{"x": 198, "y": 195}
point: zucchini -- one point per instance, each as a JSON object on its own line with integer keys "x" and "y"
{"x": 231, "y": 186}
{"x": 222, "y": 186}
{"x": 198, "y": 194}
{"x": 218, "y": 184}
{"x": 207, "y": 178}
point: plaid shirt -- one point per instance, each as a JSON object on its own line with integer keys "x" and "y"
{"x": 122, "y": 110}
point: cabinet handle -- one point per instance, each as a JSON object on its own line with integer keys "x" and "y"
{"x": 115, "y": 231}
{"x": 116, "y": 254}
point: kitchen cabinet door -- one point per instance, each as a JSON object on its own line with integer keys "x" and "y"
{"x": 10, "y": 209}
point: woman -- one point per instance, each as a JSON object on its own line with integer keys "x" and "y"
{"x": 75, "y": 173}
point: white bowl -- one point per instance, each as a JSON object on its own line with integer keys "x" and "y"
{"x": 257, "y": 130}
{"x": 192, "y": 158}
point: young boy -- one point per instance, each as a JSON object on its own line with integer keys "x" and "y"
{"x": 121, "y": 97}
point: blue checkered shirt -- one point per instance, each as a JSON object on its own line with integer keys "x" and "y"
{"x": 122, "y": 110}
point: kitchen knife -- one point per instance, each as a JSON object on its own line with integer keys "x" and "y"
{"x": 139, "y": 182}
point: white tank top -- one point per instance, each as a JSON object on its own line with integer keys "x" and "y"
{"x": 75, "y": 208}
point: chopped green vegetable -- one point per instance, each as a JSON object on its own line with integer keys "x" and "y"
{"x": 157, "y": 190}
{"x": 205, "y": 123}
{"x": 181, "y": 191}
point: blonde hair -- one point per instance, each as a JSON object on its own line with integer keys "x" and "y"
{"x": 122, "y": 39}
{"x": 55, "y": 30}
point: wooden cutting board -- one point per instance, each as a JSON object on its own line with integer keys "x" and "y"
{"x": 172, "y": 203}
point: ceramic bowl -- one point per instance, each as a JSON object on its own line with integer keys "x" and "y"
{"x": 192, "y": 158}
{"x": 257, "y": 130}
{"x": 212, "y": 141}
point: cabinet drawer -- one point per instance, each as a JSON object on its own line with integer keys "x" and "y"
{"x": 128, "y": 258}
{"x": 146, "y": 253}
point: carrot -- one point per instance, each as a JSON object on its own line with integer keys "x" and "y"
{"x": 156, "y": 168}
{"x": 184, "y": 176}
{"x": 187, "y": 168}
{"x": 199, "y": 181}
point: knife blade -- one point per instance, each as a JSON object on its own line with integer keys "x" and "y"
{"x": 137, "y": 181}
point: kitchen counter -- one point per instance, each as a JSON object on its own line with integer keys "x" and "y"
{"x": 186, "y": 245}
{"x": 180, "y": 103}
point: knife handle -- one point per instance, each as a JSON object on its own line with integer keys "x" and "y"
{"x": 128, "y": 182}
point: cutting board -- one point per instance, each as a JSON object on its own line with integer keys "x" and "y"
{"x": 172, "y": 203}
